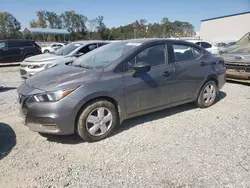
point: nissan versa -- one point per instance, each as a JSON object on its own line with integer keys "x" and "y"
{"x": 101, "y": 89}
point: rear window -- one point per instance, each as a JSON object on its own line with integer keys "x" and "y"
{"x": 25, "y": 44}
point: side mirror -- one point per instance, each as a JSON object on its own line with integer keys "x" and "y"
{"x": 78, "y": 54}
{"x": 142, "y": 67}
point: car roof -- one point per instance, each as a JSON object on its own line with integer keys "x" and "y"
{"x": 85, "y": 42}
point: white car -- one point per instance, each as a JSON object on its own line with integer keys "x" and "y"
{"x": 208, "y": 46}
{"x": 52, "y": 47}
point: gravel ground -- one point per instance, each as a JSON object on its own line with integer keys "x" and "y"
{"x": 179, "y": 147}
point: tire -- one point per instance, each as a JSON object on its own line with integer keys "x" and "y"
{"x": 46, "y": 51}
{"x": 100, "y": 111}
{"x": 205, "y": 101}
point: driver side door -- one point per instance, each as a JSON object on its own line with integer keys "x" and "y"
{"x": 148, "y": 90}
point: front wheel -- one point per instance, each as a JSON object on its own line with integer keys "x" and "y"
{"x": 207, "y": 95}
{"x": 97, "y": 121}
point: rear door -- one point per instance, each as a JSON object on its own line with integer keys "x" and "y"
{"x": 191, "y": 69}
{"x": 14, "y": 51}
{"x": 150, "y": 89}
{"x": 3, "y": 50}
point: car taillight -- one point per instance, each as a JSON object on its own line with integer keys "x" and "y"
{"x": 38, "y": 48}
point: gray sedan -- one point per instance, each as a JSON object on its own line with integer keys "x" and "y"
{"x": 101, "y": 89}
{"x": 70, "y": 52}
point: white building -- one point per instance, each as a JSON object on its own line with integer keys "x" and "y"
{"x": 225, "y": 28}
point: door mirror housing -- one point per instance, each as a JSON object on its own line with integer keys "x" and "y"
{"x": 142, "y": 67}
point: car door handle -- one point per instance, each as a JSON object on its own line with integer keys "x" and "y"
{"x": 166, "y": 74}
{"x": 203, "y": 64}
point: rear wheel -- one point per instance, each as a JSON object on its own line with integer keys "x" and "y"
{"x": 46, "y": 51}
{"x": 97, "y": 121}
{"x": 207, "y": 95}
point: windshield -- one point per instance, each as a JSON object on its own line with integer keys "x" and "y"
{"x": 244, "y": 40}
{"x": 66, "y": 50}
{"x": 105, "y": 55}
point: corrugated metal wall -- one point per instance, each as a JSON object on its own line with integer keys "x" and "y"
{"x": 225, "y": 29}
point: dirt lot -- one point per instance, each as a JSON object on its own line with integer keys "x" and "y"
{"x": 179, "y": 147}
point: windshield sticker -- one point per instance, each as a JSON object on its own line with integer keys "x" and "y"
{"x": 133, "y": 44}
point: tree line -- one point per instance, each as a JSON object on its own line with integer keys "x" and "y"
{"x": 82, "y": 28}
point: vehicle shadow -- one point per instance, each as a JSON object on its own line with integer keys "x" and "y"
{"x": 7, "y": 139}
{"x": 130, "y": 123}
{"x": 63, "y": 139}
{"x": 238, "y": 82}
{"x": 3, "y": 89}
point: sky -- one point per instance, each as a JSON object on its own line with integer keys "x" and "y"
{"x": 122, "y": 12}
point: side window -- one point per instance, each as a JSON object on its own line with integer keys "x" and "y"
{"x": 25, "y": 44}
{"x": 101, "y": 44}
{"x": 54, "y": 45}
{"x": 92, "y": 47}
{"x": 2, "y": 45}
{"x": 155, "y": 55}
{"x": 183, "y": 52}
{"x": 205, "y": 45}
{"x": 13, "y": 44}
{"x": 84, "y": 50}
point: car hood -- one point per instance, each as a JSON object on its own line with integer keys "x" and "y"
{"x": 63, "y": 77}
{"x": 43, "y": 57}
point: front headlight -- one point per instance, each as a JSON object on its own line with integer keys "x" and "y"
{"x": 52, "y": 96}
{"x": 35, "y": 66}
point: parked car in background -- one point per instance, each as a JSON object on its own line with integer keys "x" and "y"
{"x": 237, "y": 60}
{"x": 70, "y": 52}
{"x": 121, "y": 80}
{"x": 17, "y": 50}
{"x": 206, "y": 45}
{"x": 52, "y": 47}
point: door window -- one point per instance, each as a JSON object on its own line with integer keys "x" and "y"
{"x": 13, "y": 44}
{"x": 2, "y": 45}
{"x": 155, "y": 56}
{"x": 183, "y": 52}
{"x": 205, "y": 45}
{"x": 92, "y": 47}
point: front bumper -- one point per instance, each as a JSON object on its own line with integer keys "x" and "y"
{"x": 26, "y": 72}
{"x": 238, "y": 71}
{"x": 48, "y": 117}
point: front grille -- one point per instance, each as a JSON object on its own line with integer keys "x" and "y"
{"x": 238, "y": 67}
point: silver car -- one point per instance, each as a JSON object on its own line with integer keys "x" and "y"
{"x": 68, "y": 53}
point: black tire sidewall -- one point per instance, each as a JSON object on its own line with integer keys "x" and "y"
{"x": 200, "y": 102}
{"x": 81, "y": 122}
{"x": 46, "y": 51}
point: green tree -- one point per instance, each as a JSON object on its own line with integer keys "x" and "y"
{"x": 9, "y": 26}
{"x": 54, "y": 20}
{"x": 75, "y": 23}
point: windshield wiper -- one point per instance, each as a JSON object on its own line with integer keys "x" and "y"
{"x": 84, "y": 66}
